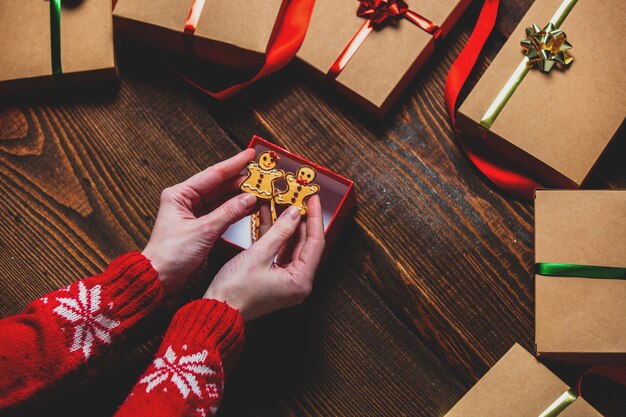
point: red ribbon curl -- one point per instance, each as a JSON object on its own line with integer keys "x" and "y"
{"x": 511, "y": 179}
{"x": 288, "y": 37}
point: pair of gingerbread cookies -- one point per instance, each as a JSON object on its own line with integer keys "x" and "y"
{"x": 261, "y": 179}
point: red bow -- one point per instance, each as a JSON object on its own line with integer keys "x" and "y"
{"x": 378, "y": 11}
{"x": 274, "y": 156}
{"x": 302, "y": 181}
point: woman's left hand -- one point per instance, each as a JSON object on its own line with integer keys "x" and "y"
{"x": 192, "y": 216}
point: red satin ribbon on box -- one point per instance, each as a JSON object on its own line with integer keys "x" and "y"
{"x": 378, "y": 13}
{"x": 616, "y": 373}
{"x": 281, "y": 50}
{"x": 511, "y": 179}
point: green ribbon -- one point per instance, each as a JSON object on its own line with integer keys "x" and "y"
{"x": 582, "y": 271}
{"x": 521, "y": 71}
{"x": 560, "y": 404}
{"x": 55, "y": 37}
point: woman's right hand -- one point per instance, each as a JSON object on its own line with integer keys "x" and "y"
{"x": 255, "y": 284}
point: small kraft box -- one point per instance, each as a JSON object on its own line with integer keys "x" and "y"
{"x": 548, "y": 103}
{"x": 337, "y": 196}
{"x": 518, "y": 385}
{"x": 234, "y": 33}
{"x": 371, "y": 49}
{"x": 52, "y": 43}
{"x": 580, "y": 281}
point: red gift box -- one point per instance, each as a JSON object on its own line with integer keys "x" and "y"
{"x": 337, "y": 196}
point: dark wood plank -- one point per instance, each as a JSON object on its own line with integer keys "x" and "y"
{"x": 342, "y": 354}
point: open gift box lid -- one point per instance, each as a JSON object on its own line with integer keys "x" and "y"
{"x": 337, "y": 196}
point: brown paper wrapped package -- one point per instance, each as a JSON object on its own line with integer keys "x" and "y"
{"x": 557, "y": 124}
{"x": 25, "y": 53}
{"x": 388, "y": 59}
{"x": 581, "y": 320}
{"x": 235, "y": 33}
{"x": 517, "y": 386}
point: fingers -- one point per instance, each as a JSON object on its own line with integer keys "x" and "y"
{"x": 205, "y": 181}
{"x": 266, "y": 219}
{"x": 228, "y": 213}
{"x": 293, "y": 255}
{"x": 206, "y": 208}
{"x": 286, "y": 252}
{"x": 311, "y": 250}
{"x": 230, "y": 186}
{"x": 268, "y": 246}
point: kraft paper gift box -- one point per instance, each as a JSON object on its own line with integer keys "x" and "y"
{"x": 28, "y": 35}
{"x": 234, "y": 33}
{"x": 388, "y": 59}
{"x": 337, "y": 196}
{"x": 580, "y": 319}
{"x": 520, "y": 386}
{"x": 556, "y": 125}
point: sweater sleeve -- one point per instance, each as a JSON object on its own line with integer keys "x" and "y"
{"x": 186, "y": 377}
{"x": 68, "y": 331}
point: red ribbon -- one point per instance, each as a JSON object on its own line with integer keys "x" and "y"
{"x": 302, "y": 181}
{"x": 616, "y": 373}
{"x": 509, "y": 178}
{"x": 378, "y": 13}
{"x": 281, "y": 49}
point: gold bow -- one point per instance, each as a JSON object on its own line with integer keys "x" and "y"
{"x": 546, "y": 47}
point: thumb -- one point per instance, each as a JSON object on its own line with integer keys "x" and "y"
{"x": 270, "y": 243}
{"x": 228, "y": 213}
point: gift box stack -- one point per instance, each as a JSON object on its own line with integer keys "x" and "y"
{"x": 544, "y": 112}
{"x": 580, "y": 265}
{"x": 56, "y": 43}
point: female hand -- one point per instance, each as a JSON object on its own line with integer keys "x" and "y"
{"x": 192, "y": 216}
{"x": 255, "y": 285}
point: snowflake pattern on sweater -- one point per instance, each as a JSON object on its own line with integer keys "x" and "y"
{"x": 60, "y": 331}
{"x": 183, "y": 372}
{"x": 83, "y": 311}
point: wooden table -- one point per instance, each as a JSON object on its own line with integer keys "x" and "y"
{"x": 428, "y": 286}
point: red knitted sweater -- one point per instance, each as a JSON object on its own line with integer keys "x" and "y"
{"x": 67, "y": 331}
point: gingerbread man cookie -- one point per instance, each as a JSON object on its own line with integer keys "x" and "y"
{"x": 261, "y": 176}
{"x": 299, "y": 187}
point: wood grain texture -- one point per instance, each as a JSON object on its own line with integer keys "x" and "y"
{"x": 429, "y": 285}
